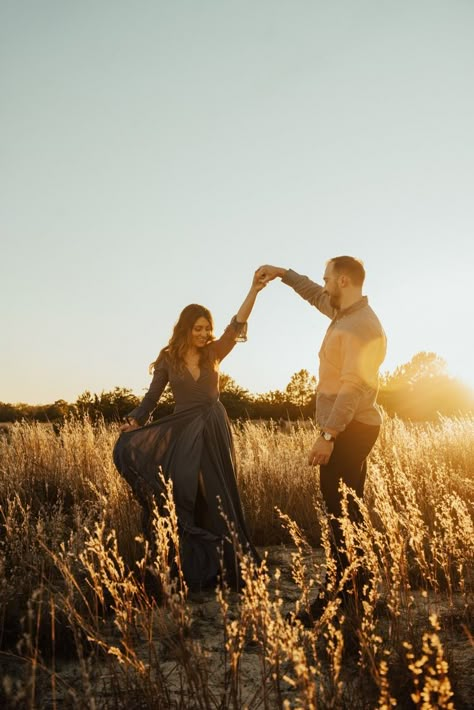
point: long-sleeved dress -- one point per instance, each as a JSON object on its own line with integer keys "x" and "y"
{"x": 193, "y": 447}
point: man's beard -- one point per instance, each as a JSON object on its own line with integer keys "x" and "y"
{"x": 335, "y": 300}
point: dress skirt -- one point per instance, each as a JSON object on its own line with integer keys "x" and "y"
{"x": 193, "y": 447}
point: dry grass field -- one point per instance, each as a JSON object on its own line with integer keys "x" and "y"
{"x": 91, "y": 618}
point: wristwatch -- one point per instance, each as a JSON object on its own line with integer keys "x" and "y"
{"x": 327, "y": 436}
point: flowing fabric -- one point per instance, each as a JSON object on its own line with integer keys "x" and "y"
{"x": 193, "y": 447}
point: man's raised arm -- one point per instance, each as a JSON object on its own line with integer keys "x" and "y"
{"x": 269, "y": 272}
{"x": 311, "y": 291}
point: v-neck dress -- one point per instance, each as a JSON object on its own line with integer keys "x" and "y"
{"x": 195, "y": 440}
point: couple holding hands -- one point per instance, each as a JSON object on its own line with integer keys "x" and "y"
{"x": 193, "y": 446}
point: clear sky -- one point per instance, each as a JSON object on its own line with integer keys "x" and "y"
{"x": 155, "y": 153}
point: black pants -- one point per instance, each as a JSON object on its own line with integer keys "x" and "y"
{"x": 348, "y": 463}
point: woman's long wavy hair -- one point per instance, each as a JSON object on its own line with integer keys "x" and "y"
{"x": 181, "y": 337}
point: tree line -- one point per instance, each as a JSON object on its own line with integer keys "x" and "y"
{"x": 419, "y": 390}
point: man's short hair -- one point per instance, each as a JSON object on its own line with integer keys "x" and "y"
{"x": 351, "y": 267}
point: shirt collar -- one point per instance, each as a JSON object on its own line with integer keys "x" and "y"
{"x": 361, "y": 303}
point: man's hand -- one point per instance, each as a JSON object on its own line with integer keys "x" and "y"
{"x": 321, "y": 452}
{"x": 268, "y": 273}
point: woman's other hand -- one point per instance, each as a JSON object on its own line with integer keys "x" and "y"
{"x": 129, "y": 424}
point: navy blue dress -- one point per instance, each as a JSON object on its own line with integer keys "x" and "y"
{"x": 193, "y": 447}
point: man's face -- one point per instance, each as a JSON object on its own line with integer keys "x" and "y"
{"x": 332, "y": 287}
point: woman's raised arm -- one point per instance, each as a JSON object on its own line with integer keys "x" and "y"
{"x": 237, "y": 329}
{"x": 245, "y": 309}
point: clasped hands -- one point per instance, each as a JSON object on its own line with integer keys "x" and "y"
{"x": 267, "y": 273}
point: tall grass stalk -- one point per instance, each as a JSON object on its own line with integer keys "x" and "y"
{"x": 94, "y": 614}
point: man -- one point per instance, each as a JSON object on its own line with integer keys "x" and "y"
{"x": 348, "y": 418}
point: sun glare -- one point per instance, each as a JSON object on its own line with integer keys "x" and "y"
{"x": 462, "y": 372}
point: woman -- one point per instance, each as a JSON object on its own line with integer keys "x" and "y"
{"x": 193, "y": 446}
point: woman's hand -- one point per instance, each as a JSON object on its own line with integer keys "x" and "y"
{"x": 259, "y": 280}
{"x": 268, "y": 272}
{"x": 129, "y": 424}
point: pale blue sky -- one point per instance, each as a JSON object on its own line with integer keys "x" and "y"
{"x": 154, "y": 153}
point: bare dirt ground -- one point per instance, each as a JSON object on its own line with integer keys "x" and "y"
{"x": 255, "y": 688}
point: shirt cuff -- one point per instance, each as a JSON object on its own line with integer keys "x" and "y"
{"x": 290, "y": 277}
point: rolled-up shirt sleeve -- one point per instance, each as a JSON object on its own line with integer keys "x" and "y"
{"x": 150, "y": 400}
{"x": 344, "y": 407}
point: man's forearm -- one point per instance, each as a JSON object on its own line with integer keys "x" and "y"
{"x": 311, "y": 291}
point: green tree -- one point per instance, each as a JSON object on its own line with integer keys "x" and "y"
{"x": 8, "y": 412}
{"x": 237, "y": 400}
{"x": 423, "y": 365}
{"x": 86, "y": 404}
{"x": 114, "y": 405}
{"x": 421, "y": 389}
{"x": 274, "y": 405}
{"x": 58, "y": 411}
{"x": 301, "y": 388}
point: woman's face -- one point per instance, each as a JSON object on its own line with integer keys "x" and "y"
{"x": 200, "y": 332}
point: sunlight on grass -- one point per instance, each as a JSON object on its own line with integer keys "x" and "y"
{"x": 94, "y": 615}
